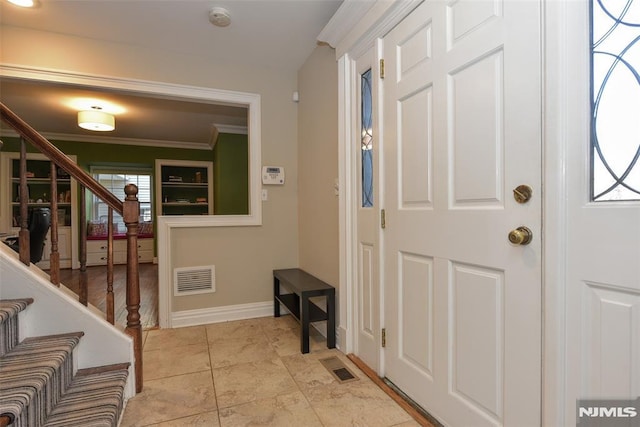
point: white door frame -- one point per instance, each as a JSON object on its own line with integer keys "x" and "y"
{"x": 358, "y": 33}
{"x": 372, "y": 23}
{"x": 566, "y": 109}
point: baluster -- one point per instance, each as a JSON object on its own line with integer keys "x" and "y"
{"x": 54, "y": 258}
{"x": 23, "y": 235}
{"x": 110, "y": 299}
{"x": 83, "y": 229}
{"x": 130, "y": 214}
{"x": 83, "y": 292}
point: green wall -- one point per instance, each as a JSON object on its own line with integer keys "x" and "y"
{"x": 230, "y": 163}
{"x": 231, "y": 175}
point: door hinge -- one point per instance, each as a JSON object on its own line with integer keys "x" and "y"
{"x": 382, "y": 68}
{"x": 384, "y": 337}
{"x": 383, "y": 219}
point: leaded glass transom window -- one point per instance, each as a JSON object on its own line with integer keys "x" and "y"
{"x": 366, "y": 139}
{"x": 615, "y": 88}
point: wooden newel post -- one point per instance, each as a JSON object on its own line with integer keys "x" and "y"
{"x": 130, "y": 215}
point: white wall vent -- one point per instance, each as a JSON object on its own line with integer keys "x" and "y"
{"x": 194, "y": 280}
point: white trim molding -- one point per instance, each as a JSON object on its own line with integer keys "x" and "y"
{"x": 180, "y": 319}
{"x": 357, "y": 24}
{"x": 165, "y": 288}
{"x": 166, "y": 90}
{"x": 235, "y": 129}
{"x": 359, "y": 33}
{"x": 51, "y": 136}
{"x": 183, "y": 92}
{"x": 566, "y": 123}
{"x": 165, "y": 227}
{"x": 342, "y": 22}
{"x": 346, "y": 212}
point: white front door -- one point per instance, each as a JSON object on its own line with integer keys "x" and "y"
{"x": 367, "y": 156}
{"x": 462, "y": 130}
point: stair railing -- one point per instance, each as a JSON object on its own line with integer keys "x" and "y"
{"x": 129, "y": 209}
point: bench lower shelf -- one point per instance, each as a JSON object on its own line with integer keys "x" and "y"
{"x": 292, "y": 303}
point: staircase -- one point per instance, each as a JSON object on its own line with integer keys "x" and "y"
{"x": 65, "y": 363}
{"x": 59, "y": 311}
{"x": 39, "y": 385}
{"x": 61, "y": 363}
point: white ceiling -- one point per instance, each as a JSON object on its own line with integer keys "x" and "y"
{"x": 278, "y": 34}
{"x": 48, "y": 108}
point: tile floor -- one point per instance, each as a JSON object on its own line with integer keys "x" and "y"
{"x": 251, "y": 373}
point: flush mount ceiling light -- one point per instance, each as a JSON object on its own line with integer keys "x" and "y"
{"x": 219, "y": 17}
{"x": 96, "y": 120}
{"x": 23, "y": 3}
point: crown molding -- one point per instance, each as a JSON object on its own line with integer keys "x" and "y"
{"x": 342, "y": 22}
{"x": 168, "y": 90}
{"x": 217, "y": 129}
{"x": 161, "y": 143}
{"x": 51, "y": 136}
{"x": 235, "y": 129}
{"x": 357, "y": 24}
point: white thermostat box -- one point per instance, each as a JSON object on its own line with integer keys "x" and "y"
{"x": 272, "y": 175}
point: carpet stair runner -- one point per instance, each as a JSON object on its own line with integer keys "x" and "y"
{"x": 38, "y": 386}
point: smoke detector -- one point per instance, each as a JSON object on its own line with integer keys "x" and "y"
{"x": 219, "y": 17}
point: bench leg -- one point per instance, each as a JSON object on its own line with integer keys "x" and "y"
{"x": 331, "y": 319}
{"x": 304, "y": 323}
{"x": 276, "y": 292}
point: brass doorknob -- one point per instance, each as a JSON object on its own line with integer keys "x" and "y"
{"x": 520, "y": 236}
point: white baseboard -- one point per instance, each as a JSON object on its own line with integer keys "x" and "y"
{"x": 180, "y": 319}
{"x": 203, "y": 316}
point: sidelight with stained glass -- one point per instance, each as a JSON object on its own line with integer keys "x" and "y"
{"x": 366, "y": 139}
{"x": 615, "y": 88}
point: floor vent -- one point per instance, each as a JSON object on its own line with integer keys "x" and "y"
{"x": 194, "y": 280}
{"x": 338, "y": 369}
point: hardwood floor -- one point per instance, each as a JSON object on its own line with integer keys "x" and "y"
{"x": 97, "y": 280}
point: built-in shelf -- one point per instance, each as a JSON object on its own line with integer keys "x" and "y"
{"x": 43, "y": 204}
{"x": 184, "y": 187}
{"x": 42, "y": 180}
{"x": 183, "y": 204}
{"x": 39, "y": 196}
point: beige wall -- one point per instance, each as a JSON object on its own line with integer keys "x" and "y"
{"x": 318, "y": 165}
{"x": 244, "y": 256}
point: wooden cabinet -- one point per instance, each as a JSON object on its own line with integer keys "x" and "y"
{"x": 184, "y": 187}
{"x": 65, "y": 248}
{"x": 39, "y": 195}
{"x": 97, "y": 251}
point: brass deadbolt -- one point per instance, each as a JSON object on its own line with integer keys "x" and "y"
{"x": 522, "y": 193}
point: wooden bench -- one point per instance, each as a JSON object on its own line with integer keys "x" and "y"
{"x": 304, "y": 286}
